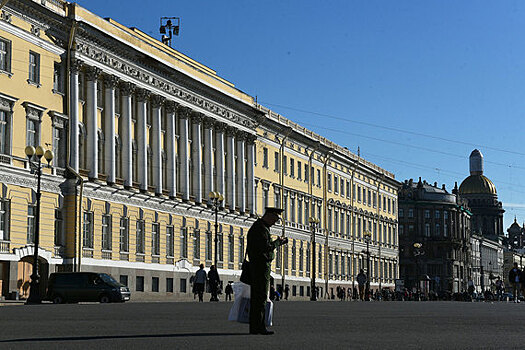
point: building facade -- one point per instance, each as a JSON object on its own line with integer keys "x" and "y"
{"x": 439, "y": 222}
{"x": 141, "y": 134}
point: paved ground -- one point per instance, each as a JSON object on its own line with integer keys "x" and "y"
{"x": 298, "y": 325}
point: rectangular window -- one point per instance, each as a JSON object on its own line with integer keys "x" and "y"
{"x": 31, "y": 211}
{"x": 336, "y": 184}
{"x": 33, "y": 132}
{"x": 5, "y": 55}
{"x": 5, "y": 133}
{"x": 329, "y": 219}
{"x": 169, "y": 285}
{"x": 329, "y": 181}
{"x": 445, "y": 215}
{"x": 427, "y": 230}
{"x": 401, "y": 213}
{"x": 34, "y": 67}
{"x": 154, "y": 284}
{"x": 209, "y": 241}
{"x": 410, "y": 213}
{"x": 427, "y": 214}
{"x": 276, "y": 161}
{"x": 59, "y": 146}
{"x": 155, "y": 239}
{"x": 265, "y": 197}
{"x": 124, "y": 280}
{"x": 401, "y": 230}
{"x": 241, "y": 249}
{"x": 318, "y": 178}
{"x": 87, "y": 232}
{"x": 347, "y": 189}
{"x": 292, "y": 167}
{"x": 170, "y": 241}
{"x": 437, "y": 214}
{"x": 265, "y": 157}
{"x": 59, "y": 228}
{"x": 196, "y": 243}
{"x": 4, "y": 220}
{"x": 183, "y": 242}
{"x": 438, "y": 230}
{"x": 300, "y": 211}
{"x": 140, "y": 284}
{"x": 369, "y": 198}
{"x": 141, "y": 237}
{"x": 106, "y": 232}
{"x": 342, "y": 187}
{"x": 183, "y": 285}
{"x": 285, "y": 165}
{"x": 58, "y": 84}
{"x": 389, "y": 204}
{"x": 292, "y": 209}
{"x": 353, "y": 192}
{"x": 358, "y": 194}
{"x": 306, "y": 173}
{"x": 124, "y": 234}
{"x": 299, "y": 169}
{"x": 231, "y": 248}
{"x": 445, "y": 230}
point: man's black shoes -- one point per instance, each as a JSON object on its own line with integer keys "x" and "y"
{"x": 263, "y": 332}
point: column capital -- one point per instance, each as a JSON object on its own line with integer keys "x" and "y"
{"x": 183, "y": 112}
{"x": 208, "y": 123}
{"x": 75, "y": 66}
{"x": 157, "y": 101}
{"x": 111, "y": 81}
{"x": 197, "y": 117}
{"x": 92, "y": 73}
{"x": 250, "y": 139}
{"x": 241, "y": 135}
{"x": 170, "y": 106}
{"x": 127, "y": 88}
{"x": 231, "y": 131}
{"x": 219, "y": 127}
{"x": 142, "y": 94}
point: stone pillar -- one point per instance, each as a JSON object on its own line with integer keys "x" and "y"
{"x": 196, "y": 156}
{"x": 73, "y": 114}
{"x": 241, "y": 173}
{"x": 142, "y": 151}
{"x": 127, "y": 149}
{"x": 110, "y": 82}
{"x": 92, "y": 74}
{"x": 171, "y": 181}
{"x": 230, "y": 167}
{"x": 219, "y": 158}
{"x": 250, "y": 174}
{"x": 208, "y": 157}
{"x": 184, "y": 113}
{"x": 156, "y": 142}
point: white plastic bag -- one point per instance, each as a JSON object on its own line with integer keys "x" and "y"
{"x": 240, "y": 290}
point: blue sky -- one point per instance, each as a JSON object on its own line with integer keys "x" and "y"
{"x": 443, "y": 77}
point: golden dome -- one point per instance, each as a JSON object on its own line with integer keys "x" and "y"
{"x": 477, "y": 184}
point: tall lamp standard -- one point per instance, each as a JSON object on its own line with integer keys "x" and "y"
{"x": 417, "y": 253}
{"x": 216, "y": 202}
{"x": 313, "y": 226}
{"x": 34, "y": 156}
{"x": 368, "y": 237}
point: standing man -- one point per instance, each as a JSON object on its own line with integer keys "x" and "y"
{"x": 200, "y": 280}
{"x": 214, "y": 280}
{"x": 514, "y": 279}
{"x": 361, "y": 281}
{"x": 261, "y": 253}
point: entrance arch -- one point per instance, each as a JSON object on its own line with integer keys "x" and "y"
{"x": 25, "y": 269}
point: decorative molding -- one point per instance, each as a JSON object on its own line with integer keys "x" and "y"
{"x": 7, "y": 102}
{"x": 170, "y": 106}
{"x": 155, "y": 81}
{"x": 126, "y": 88}
{"x": 59, "y": 120}
{"x": 111, "y": 81}
{"x": 142, "y": 95}
{"x": 208, "y": 123}
{"x": 92, "y": 73}
{"x": 5, "y": 16}
{"x": 183, "y": 112}
{"x": 33, "y": 111}
{"x": 157, "y": 101}
{"x": 75, "y": 65}
{"x": 197, "y": 117}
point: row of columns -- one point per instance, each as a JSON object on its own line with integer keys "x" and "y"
{"x": 233, "y": 147}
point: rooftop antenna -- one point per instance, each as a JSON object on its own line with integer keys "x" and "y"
{"x": 171, "y": 26}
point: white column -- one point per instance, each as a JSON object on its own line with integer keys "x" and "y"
{"x": 156, "y": 142}
{"x": 73, "y": 114}
{"x": 241, "y": 173}
{"x": 183, "y": 114}
{"x": 92, "y": 74}
{"x": 196, "y": 156}
{"x": 110, "y": 82}
{"x": 127, "y": 150}
{"x": 250, "y": 176}
{"x": 171, "y": 181}
{"x": 230, "y": 167}
{"x": 208, "y": 156}
{"x": 219, "y": 158}
{"x": 142, "y": 97}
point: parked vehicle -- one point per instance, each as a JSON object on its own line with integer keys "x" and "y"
{"x": 73, "y": 287}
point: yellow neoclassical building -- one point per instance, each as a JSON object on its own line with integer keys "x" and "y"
{"x": 141, "y": 134}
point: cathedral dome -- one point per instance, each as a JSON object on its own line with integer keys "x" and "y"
{"x": 477, "y": 184}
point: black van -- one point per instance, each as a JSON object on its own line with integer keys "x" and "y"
{"x": 73, "y": 287}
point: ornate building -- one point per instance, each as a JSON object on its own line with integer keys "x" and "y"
{"x": 141, "y": 134}
{"x": 515, "y": 236}
{"x": 434, "y": 237}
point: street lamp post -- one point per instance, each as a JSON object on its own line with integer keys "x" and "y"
{"x": 368, "y": 236}
{"x": 417, "y": 253}
{"x": 216, "y": 200}
{"x": 34, "y": 156}
{"x": 313, "y": 225}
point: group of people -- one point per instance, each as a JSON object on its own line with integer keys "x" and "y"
{"x": 517, "y": 282}
{"x": 211, "y": 278}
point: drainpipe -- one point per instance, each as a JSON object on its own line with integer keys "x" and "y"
{"x": 325, "y": 214}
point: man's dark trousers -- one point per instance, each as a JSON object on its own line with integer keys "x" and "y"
{"x": 260, "y": 280}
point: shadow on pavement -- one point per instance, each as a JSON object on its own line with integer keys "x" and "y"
{"x": 131, "y": 336}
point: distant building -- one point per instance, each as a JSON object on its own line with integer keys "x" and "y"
{"x": 515, "y": 236}
{"x": 440, "y": 222}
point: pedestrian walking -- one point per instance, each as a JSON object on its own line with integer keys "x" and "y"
{"x": 286, "y": 292}
{"x": 361, "y": 281}
{"x": 214, "y": 281}
{"x": 514, "y": 279}
{"x": 199, "y": 281}
{"x": 261, "y": 253}
{"x": 228, "y": 291}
